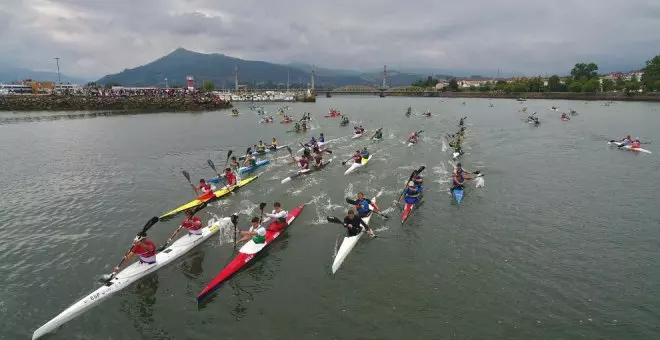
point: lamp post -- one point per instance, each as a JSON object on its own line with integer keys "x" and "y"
{"x": 167, "y": 87}
{"x": 57, "y": 60}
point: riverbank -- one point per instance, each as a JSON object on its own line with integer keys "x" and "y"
{"x": 197, "y": 102}
{"x": 606, "y": 96}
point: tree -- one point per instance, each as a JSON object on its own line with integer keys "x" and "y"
{"x": 208, "y": 86}
{"x": 651, "y": 75}
{"x": 428, "y": 82}
{"x": 554, "y": 83}
{"x": 535, "y": 84}
{"x": 453, "y": 85}
{"x": 619, "y": 84}
{"x": 584, "y": 71}
{"x": 608, "y": 85}
{"x": 632, "y": 85}
{"x": 575, "y": 86}
{"x": 591, "y": 85}
{"x": 519, "y": 87}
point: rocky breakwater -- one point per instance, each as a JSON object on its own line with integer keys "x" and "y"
{"x": 196, "y": 102}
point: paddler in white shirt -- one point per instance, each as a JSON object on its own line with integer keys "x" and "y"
{"x": 257, "y": 232}
{"x": 278, "y": 213}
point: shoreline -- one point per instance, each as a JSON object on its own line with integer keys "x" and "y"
{"x": 603, "y": 96}
{"x": 144, "y": 104}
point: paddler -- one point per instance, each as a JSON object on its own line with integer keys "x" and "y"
{"x": 303, "y": 161}
{"x": 363, "y": 205}
{"x": 318, "y": 157}
{"x": 627, "y": 140}
{"x": 296, "y": 127}
{"x": 364, "y": 153}
{"x": 312, "y": 141}
{"x": 273, "y": 144}
{"x": 249, "y": 161}
{"x": 230, "y": 176}
{"x": 257, "y": 232}
{"x": 419, "y": 180}
{"x": 413, "y": 137}
{"x": 317, "y": 149}
{"x": 304, "y": 125}
{"x": 564, "y": 115}
{"x": 462, "y": 120}
{"x": 357, "y": 157}
{"x": 234, "y": 163}
{"x": 321, "y": 138}
{"x": 204, "y": 187}
{"x": 457, "y": 181}
{"x": 412, "y": 193}
{"x": 278, "y": 213}
{"x": 144, "y": 248}
{"x": 636, "y": 144}
{"x": 361, "y": 129}
{"x": 354, "y": 224}
{"x": 191, "y": 223}
{"x": 261, "y": 147}
{"x": 379, "y": 134}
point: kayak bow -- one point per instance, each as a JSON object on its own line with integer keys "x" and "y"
{"x": 348, "y": 244}
{"x": 248, "y": 252}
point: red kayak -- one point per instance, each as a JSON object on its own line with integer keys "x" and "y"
{"x": 286, "y": 121}
{"x": 248, "y": 252}
{"x": 408, "y": 209}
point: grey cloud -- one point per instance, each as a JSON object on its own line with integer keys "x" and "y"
{"x": 94, "y": 38}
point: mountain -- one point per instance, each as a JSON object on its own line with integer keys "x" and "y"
{"x": 10, "y": 74}
{"x": 219, "y": 69}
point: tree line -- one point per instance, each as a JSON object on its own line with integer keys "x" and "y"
{"x": 584, "y": 78}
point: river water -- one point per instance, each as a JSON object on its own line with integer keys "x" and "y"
{"x": 561, "y": 242}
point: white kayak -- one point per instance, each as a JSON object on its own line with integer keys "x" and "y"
{"x": 130, "y": 275}
{"x": 348, "y": 244}
{"x": 455, "y": 155}
{"x": 411, "y": 143}
{"x": 355, "y": 166}
{"x": 628, "y": 147}
{"x": 358, "y": 135}
{"x": 320, "y": 144}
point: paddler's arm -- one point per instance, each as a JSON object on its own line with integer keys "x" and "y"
{"x": 126, "y": 258}
{"x": 174, "y": 234}
{"x": 375, "y": 206}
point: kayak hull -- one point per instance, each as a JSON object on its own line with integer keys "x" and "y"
{"x": 628, "y": 147}
{"x": 408, "y": 209}
{"x": 217, "y": 194}
{"x": 248, "y": 252}
{"x": 308, "y": 171}
{"x": 458, "y": 194}
{"x": 355, "y": 166}
{"x": 358, "y": 135}
{"x": 259, "y": 153}
{"x": 348, "y": 244}
{"x": 130, "y": 275}
{"x": 320, "y": 144}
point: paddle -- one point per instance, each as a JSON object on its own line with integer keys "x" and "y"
{"x": 333, "y": 219}
{"x": 372, "y": 137}
{"x": 413, "y": 174}
{"x": 147, "y": 226}
{"x": 305, "y": 147}
{"x": 291, "y": 153}
{"x": 353, "y": 202}
{"x": 194, "y": 211}
{"x": 187, "y": 176}
{"x": 344, "y": 162}
{"x": 234, "y": 221}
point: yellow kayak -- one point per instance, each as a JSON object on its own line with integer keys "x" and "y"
{"x": 216, "y": 194}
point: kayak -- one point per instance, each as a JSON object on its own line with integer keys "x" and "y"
{"x": 199, "y": 200}
{"x": 358, "y": 135}
{"x": 248, "y": 252}
{"x": 564, "y": 119}
{"x": 307, "y": 171}
{"x": 354, "y": 166}
{"x": 458, "y": 194}
{"x": 409, "y": 208}
{"x": 320, "y": 144}
{"x": 628, "y": 147}
{"x": 241, "y": 170}
{"x": 455, "y": 155}
{"x": 286, "y": 122}
{"x": 348, "y": 244}
{"x": 266, "y": 121}
{"x": 411, "y": 143}
{"x": 130, "y": 275}
{"x": 268, "y": 150}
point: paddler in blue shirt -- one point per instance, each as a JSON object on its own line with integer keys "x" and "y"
{"x": 321, "y": 138}
{"x": 364, "y": 153}
{"x": 312, "y": 141}
{"x": 412, "y": 194}
{"x": 363, "y": 205}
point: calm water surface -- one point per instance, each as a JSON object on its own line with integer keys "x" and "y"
{"x": 561, "y": 243}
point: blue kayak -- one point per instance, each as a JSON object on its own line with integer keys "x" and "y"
{"x": 458, "y": 193}
{"x": 268, "y": 150}
{"x": 242, "y": 170}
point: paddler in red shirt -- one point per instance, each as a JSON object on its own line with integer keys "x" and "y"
{"x": 205, "y": 187}
{"x": 230, "y": 176}
{"x": 144, "y": 248}
{"x": 191, "y": 223}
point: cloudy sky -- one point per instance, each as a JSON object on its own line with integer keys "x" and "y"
{"x": 97, "y": 37}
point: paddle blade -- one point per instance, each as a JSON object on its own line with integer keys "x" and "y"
{"x": 229, "y": 153}
{"x": 149, "y": 224}
{"x": 247, "y": 152}
{"x": 333, "y": 219}
{"x": 421, "y": 168}
{"x": 262, "y": 205}
{"x": 286, "y": 180}
{"x": 186, "y": 175}
{"x": 210, "y": 162}
{"x": 289, "y": 149}
{"x": 350, "y": 201}
{"x": 234, "y": 219}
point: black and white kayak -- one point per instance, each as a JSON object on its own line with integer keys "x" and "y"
{"x": 627, "y": 147}
{"x": 132, "y": 274}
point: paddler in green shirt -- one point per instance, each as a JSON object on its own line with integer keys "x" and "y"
{"x": 249, "y": 161}
{"x": 257, "y": 232}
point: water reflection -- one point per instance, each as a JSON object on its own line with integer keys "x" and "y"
{"x": 192, "y": 265}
